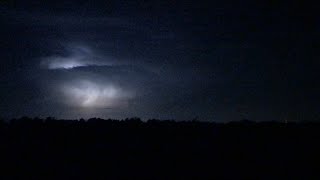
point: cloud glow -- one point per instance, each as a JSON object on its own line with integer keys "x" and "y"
{"x": 87, "y": 88}
{"x": 78, "y": 57}
{"x": 88, "y": 94}
{"x": 63, "y": 63}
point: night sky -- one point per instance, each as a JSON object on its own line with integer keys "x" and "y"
{"x": 212, "y": 60}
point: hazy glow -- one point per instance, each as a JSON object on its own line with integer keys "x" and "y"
{"x": 78, "y": 57}
{"x": 63, "y": 63}
{"x": 83, "y": 89}
{"x": 89, "y": 94}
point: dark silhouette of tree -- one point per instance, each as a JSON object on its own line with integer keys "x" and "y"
{"x": 34, "y": 148}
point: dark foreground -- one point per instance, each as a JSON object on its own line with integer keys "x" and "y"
{"x": 131, "y": 149}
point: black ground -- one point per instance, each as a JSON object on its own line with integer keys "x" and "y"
{"x": 132, "y": 149}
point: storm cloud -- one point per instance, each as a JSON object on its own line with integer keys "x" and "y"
{"x": 159, "y": 59}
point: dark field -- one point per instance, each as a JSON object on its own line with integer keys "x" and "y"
{"x": 132, "y": 149}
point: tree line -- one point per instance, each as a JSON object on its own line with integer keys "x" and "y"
{"x": 34, "y": 148}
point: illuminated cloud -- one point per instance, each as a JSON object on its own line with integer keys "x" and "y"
{"x": 89, "y": 94}
{"x": 100, "y": 83}
{"x": 63, "y": 62}
{"x": 79, "y": 56}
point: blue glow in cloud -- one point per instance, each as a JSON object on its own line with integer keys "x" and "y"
{"x": 90, "y": 94}
{"x": 78, "y": 57}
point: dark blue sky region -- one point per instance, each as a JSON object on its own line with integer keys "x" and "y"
{"x": 215, "y": 60}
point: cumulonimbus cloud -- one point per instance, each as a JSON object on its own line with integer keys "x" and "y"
{"x": 84, "y": 78}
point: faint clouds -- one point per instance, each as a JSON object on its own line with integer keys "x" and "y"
{"x": 78, "y": 56}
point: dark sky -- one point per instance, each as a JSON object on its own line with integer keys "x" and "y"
{"x": 215, "y": 60}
